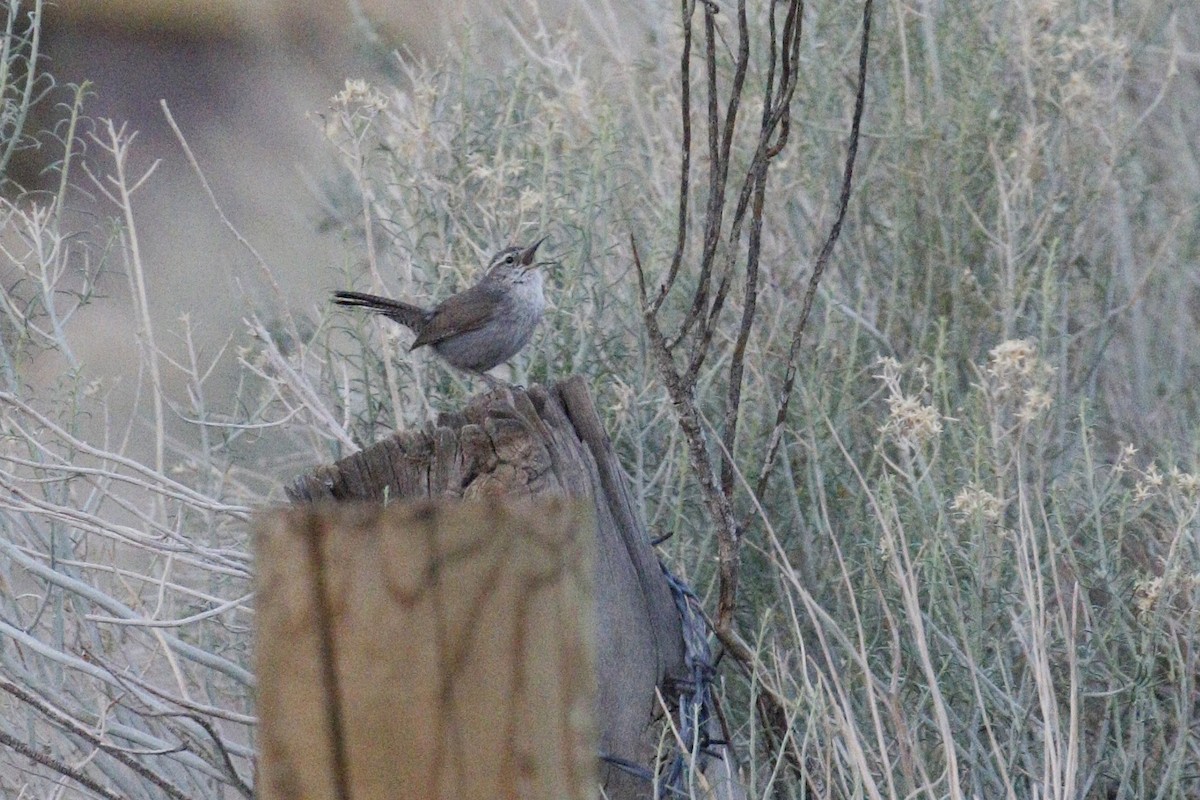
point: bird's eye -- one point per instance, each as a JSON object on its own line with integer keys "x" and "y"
{"x": 508, "y": 259}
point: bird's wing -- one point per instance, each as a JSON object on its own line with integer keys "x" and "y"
{"x": 464, "y": 312}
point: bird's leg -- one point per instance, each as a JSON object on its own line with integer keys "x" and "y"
{"x": 493, "y": 383}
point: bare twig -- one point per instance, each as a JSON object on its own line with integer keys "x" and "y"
{"x": 716, "y": 503}
{"x": 120, "y": 188}
{"x": 714, "y": 285}
{"x": 60, "y": 767}
{"x": 685, "y": 165}
{"x": 719, "y": 146}
{"x": 243, "y": 788}
{"x": 708, "y": 301}
{"x": 789, "y": 378}
{"x": 64, "y": 720}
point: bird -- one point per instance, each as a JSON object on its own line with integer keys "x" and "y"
{"x": 480, "y": 327}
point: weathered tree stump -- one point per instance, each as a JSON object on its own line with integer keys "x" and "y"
{"x": 539, "y": 442}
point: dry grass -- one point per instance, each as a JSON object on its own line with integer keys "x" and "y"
{"x": 975, "y": 571}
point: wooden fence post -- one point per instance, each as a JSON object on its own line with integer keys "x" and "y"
{"x": 549, "y": 442}
{"x": 426, "y": 650}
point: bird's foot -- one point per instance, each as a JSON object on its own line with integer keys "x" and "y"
{"x": 496, "y": 384}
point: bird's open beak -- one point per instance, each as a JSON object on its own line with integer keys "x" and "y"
{"x": 527, "y": 253}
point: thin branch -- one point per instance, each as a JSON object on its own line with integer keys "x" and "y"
{"x": 60, "y": 767}
{"x": 190, "y": 707}
{"x": 705, "y": 315}
{"x": 775, "y": 111}
{"x": 62, "y": 719}
{"x": 718, "y": 168}
{"x": 737, "y": 360}
{"x": 143, "y": 622}
{"x": 717, "y": 505}
{"x": 789, "y": 379}
{"x": 189, "y": 651}
{"x": 186, "y": 759}
{"x": 776, "y": 115}
{"x": 685, "y": 168}
{"x": 259, "y": 261}
{"x": 703, "y": 318}
{"x": 245, "y": 789}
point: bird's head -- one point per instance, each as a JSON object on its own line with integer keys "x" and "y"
{"x": 512, "y": 263}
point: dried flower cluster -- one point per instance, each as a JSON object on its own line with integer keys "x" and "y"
{"x": 1077, "y": 61}
{"x": 358, "y": 95}
{"x": 975, "y": 502}
{"x": 910, "y": 423}
{"x": 1016, "y": 376}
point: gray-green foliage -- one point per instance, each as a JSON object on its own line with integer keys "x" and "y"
{"x": 971, "y": 577}
{"x": 974, "y": 573}
{"x": 22, "y": 82}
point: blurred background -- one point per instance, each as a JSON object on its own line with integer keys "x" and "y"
{"x": 249, "y": 84}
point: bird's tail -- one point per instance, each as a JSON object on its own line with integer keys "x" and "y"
{"x": 408, "y": 315}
